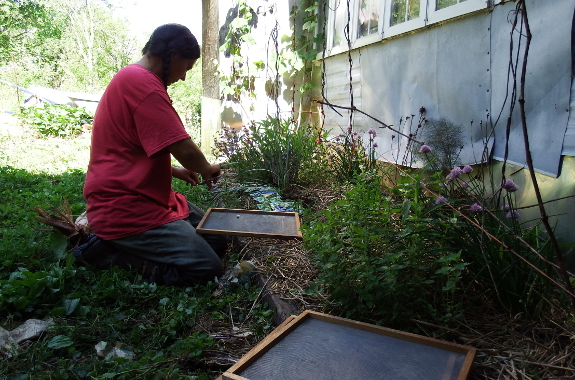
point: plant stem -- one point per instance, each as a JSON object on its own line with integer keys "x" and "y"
{"x": 529, "y": 159}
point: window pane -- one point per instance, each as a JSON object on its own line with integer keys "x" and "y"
{"x": 340, "y": 23}
{"x": 404, "y": 10}
{"x": 368, "y": 17}
{"x": 446, "y": 3}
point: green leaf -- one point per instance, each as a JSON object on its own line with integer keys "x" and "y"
{"x": 70, "y": 305}
{"x": 249, "y": 39}
{"x": 59, "y": 244}
{"x": 238, "y": 22}
{"x": 59, "y": 341}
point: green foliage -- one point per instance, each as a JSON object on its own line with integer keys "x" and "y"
{"x": 24, "y": 24}
{"x": 271, "y": 152}
{"x": 348, "y": 157}
{"x": 241, "y": 78}
{"x": 506, "y": 254}
{"x": 387, "y": 257}
{"x": 56, "y": 119}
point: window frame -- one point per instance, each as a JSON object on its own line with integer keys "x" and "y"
{"x": 452, "y": 11}
{"x": 428, "y": 15}
{"x": 406, "y": 26}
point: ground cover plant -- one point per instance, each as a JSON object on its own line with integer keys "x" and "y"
{"x": 173, "y": 332}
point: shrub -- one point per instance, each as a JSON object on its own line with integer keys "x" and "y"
{"x": 56, "y": 119}
{"x": 272, "y": 151}
{"x": 445, "y": 139}
{"x": 385, "y": 257}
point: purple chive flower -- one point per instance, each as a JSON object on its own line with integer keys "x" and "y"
{"x": 372, "y": 131}
{"x": 328, "y": 144}
{"x": 455, "y": 173}
{"x": 512, "y": 214}
{"x": 475, "y": 208}
{"x": 506, "y": 207}
{"x": 424, "y": 149}
{"x": 422, "y": 184}
{"x": 440, "y": 200}
{"x": 465, "y": 185}
{"x": 330, "y": 156}
{"x": 338, "y": 148}
{"x": 509, "y": 185}
{"x": 337, "y": 138}
{"x": 467, "y": 169}
{"x": 349, "y": 128}
{"x": 375, "y": 145}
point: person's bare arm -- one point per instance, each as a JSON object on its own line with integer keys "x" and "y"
{"x": 191, "y": 157}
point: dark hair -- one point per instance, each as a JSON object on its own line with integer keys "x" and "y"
{"x": 168, "y": 39}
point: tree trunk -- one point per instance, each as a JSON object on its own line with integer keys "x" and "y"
{"x": 210, "y": 81}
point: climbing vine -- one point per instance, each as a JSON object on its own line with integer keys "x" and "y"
{"x": 241, "y": 78}
{"x": 290, "y": 56}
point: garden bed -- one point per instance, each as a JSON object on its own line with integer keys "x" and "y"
{"x": 508, "y": 347}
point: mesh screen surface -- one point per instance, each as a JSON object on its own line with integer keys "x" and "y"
{"x": 318, "y": 350}
{"x": 251, "y": 222}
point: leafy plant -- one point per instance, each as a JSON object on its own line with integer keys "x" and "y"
{"x": 348, "y": 157}
{"x": 386, "y": 257}
{"x": 272, "y": 151}
{"x": 241, "y": 77}
{"x": 56, "y": 119}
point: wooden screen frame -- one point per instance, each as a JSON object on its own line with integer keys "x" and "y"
{"x": 292, "y": 323}
{"x": 201, "y": 230}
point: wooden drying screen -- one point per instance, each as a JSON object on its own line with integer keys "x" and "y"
{"x": 318, "y": 346}
{"x": 251, "y": 223}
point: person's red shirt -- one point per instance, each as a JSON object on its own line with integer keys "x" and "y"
{"x": 128, "y": 185}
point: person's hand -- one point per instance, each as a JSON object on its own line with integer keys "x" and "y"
{"x": 186, "y": 175}
{"x": 211, "y": 177}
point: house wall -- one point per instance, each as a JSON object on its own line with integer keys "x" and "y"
{"x": 458, "y": 70}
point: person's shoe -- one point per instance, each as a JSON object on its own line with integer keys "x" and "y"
{"x": 95, "y": 251}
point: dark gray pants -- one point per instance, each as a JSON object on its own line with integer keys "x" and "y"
{"x": 184, "y": 257}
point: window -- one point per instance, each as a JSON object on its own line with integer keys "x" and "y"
{"x": 368, "y": 17}
{"x": 441, "y": 10}
{"x": 447, "y": 3}
{"x": 372, "y": 20}
{"x": 404, "y": 10}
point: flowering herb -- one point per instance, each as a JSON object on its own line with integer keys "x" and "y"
{"x": 455, "y": 173}
{"x": 424, "y": 149}
{"x": 475, "y": 208}
{"x": 509, "y": 185}
{"x": 440, "y": 200}
{"x": 467, "y": 169}
{"x": 512, "y": 214}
